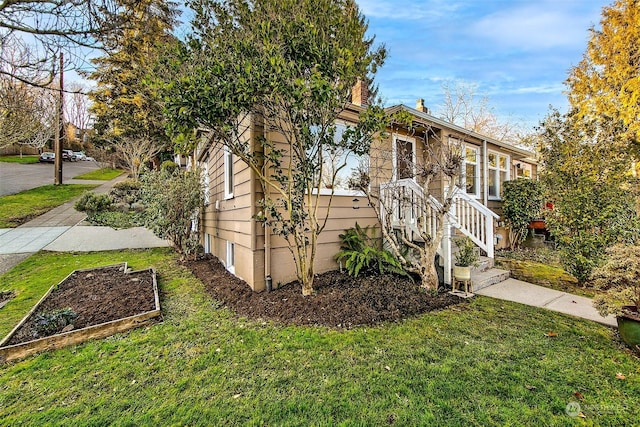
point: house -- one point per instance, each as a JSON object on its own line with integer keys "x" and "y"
{"x": 263, "y": 259}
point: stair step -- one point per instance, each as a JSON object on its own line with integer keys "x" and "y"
{"x": 484, "y": 264}
{"x": 483, "y": 279}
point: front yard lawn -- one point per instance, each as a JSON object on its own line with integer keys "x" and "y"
{"x": 24, "y": 159}
{"x": 488, "y": 362}
{"x": 104, "y": 174}
{"x": 16, "y": 209}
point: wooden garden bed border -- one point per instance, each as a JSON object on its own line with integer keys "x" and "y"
{"x": 18, "y": 351}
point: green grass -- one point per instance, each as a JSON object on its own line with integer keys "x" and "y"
{"x": 104, "y": 174}
{"x": 18, "y": 208}
{"x": 25, "y": 159}
{"x": 485, "y": 363}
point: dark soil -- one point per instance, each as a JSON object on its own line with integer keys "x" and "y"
{"x": 97, "y": 296}
{"x": 340, "y": 301}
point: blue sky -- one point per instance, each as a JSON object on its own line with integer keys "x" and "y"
{"x": 516, "y": 52}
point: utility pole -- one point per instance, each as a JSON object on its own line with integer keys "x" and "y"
{"x": 59, "y": 135}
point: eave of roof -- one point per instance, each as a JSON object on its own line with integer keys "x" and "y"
{"x": 529, "y": 155}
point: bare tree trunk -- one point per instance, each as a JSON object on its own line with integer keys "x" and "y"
{"x": 428, "y": 273}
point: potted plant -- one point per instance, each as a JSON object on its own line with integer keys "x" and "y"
{"x": 619, "y": 277}
{"x": 466, "y": 257}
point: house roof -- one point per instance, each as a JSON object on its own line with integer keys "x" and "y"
{"x": 520, "y": 152}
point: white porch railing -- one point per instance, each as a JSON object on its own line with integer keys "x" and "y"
{"x": 404, "y": 204}
{"x": 474, "y": 220}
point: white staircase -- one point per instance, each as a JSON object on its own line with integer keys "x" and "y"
{"x": 405, "y": 205}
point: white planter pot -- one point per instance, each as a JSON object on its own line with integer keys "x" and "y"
{"x": 461, "y": 273}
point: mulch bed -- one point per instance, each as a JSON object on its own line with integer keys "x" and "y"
{"x": 340, "y": 301}
{"x": 97, "y": 296}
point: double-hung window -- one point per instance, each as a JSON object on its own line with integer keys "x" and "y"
{"x": 470, "y": 170}
{"x": 498, "y": 170}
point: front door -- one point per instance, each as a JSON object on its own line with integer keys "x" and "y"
{"x": 404, "y": 159}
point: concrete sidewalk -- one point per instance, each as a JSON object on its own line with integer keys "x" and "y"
{"x": 550, "y": 299}
{"x": 62, "y": 230}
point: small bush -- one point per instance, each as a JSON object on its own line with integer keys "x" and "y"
{"x": 52, "y": 322}
{"x": 361, "y": 252}
{"x": 169, "y": 167}
{"x": 91, "y": 203}
{"x": 619, "y": 277}
{"x": 467, "y": 255}
{"x": 127, "y": 191}
{"x": 173, "y": 202}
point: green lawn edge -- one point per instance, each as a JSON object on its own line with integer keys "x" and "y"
{"x": 104, "y": 174}
{"x": 488, "y": 362}
{"x": 25, "y": 159}
{"x": 16, "y": 209}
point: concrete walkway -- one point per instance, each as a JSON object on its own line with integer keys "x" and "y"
{"x": 550, "y": 299}
{"x": 62, "y": 229}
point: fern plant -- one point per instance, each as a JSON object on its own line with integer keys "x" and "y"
{"x": 360, "y": 251}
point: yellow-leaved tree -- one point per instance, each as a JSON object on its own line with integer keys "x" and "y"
{"x": 605, "y": 85}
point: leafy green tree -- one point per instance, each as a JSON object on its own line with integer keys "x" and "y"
{"x": 589, "y": 181}
{"x": 606, "y": 83}
{"x": 522, "y": 201}
{"x": 124, "y": 103}
{"x": 289, "y": 64}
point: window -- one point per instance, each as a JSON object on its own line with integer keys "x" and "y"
{"x": 523, "y": 170}
{"x": 205, "y": 181}
{"x": 207, "y": 243}
{"x": 470, "y": 170}
{"x": 228, "y": 173}
{"x": 231, "y": 257}
{"x": 343, "y": 163}
{"x": 498, "y": 170}
{"x": 404, "y": 157}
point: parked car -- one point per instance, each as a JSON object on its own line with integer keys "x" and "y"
{"x": 80, "y": 155}
{"x": 68, "y": 156}
{"x": 47, "y": 157}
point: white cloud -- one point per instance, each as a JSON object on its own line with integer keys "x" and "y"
{"x": 407, "y": 10}
{"x": 538, "y": 25}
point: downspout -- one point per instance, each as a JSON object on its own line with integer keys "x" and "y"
{"x": 267, "y": 230}
{"x": 485, "y": 175}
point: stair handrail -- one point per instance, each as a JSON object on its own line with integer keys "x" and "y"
{"x": 458, "y": 193}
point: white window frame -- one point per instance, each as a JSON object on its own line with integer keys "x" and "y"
{"x": 524, "y": 167}
{"x": 496, "y": 170}
{"x": 322, "y": 190}
{"x": 463, "y": 169}
{"x": 231, "y": 257}
{"x": 206, "y": 182}
{"x": 228, "y": 173}
{"x": 394, "y": 156}
{"x": 207, "y": 243}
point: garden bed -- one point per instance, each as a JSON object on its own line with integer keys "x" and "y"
{"x": 339, "y": 300}
{"x": 105, "y": 301}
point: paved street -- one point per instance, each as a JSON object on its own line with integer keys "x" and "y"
{"x": 15, "y": 178}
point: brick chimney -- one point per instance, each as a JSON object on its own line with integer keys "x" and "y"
{"x": 360, "y": 93}
{"x": 420, "y": 106}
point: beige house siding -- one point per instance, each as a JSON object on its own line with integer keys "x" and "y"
{"x": 232, "y": 220}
